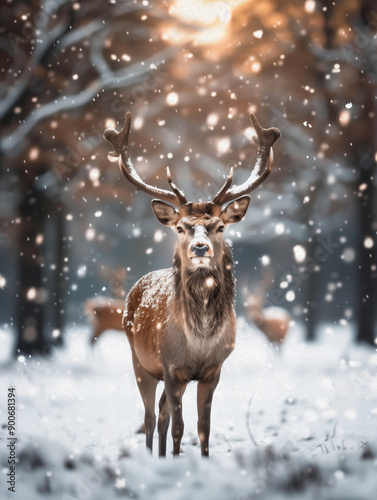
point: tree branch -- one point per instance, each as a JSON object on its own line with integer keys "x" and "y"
{"x": 118, "y": 79}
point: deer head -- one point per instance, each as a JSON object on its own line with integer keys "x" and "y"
{"x": 199, "y": 225}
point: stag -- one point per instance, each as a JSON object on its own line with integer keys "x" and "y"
{"x": 180, "y": 322}
{"x": 273, "y": 321}
{"x": 104, "y": 314}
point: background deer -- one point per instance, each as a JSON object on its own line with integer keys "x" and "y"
{"x": 273, "y": 321}
{"x": 180, "y": 321}
{"x": 105, "y": 313}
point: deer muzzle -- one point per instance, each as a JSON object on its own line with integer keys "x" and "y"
{"x": 200, "y": 252}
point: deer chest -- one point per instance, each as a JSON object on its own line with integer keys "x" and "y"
{"x": 191, "y": 355}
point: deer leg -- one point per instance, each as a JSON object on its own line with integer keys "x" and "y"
{"x": 163, "y": 424}
{"x": 147, "y": 388}
{"x": 206, "y": 388}
{"x": 174, "y": 392}
{"x": 141, "y": 429}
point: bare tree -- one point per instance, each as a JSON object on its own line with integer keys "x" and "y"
{"x": 60, "y": 58}
{"x": 73, "y": 67}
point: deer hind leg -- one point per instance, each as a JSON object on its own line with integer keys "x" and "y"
{"x": 147, "y": 387}
{"x": 206, "y": 389}
{"x": 174, "y": 392}
{"x": 163, "y": 424}
{"x": 96, "y": 330}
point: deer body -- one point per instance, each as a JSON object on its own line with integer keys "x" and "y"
{"x": 273, "y": 321}
{"x": 180, "y": 322}
{"x": 155, "y": 321}
{"x": 104, "y": 314}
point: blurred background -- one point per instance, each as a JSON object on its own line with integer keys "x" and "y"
{"x": 71, "y": 227}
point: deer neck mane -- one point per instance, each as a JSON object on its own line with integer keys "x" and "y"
{"x": 205, "y": 295}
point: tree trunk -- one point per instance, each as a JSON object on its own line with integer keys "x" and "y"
{"x": 313, "y": 284}
{"x": 367, "y": 297}
{"x": 57, "y": 295}
{"x": 31, "y": 293}
{"x": 313, "y": 297}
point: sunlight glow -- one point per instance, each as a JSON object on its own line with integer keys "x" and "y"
{"x": 212, "y": 15}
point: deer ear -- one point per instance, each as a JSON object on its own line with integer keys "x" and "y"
{"x": 235, "y": 211}
{"x": 166, "y": 214}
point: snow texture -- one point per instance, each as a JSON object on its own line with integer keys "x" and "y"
{"x": 296, "y": 424}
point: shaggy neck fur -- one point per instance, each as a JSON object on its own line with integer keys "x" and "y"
{"x": 205, "y": 295}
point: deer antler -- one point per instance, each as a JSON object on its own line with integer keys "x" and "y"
{"x": 119, "y": 141}
{"x": 262, "y": 167}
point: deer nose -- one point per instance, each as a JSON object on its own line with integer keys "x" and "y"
{"x": 200, "y": 249}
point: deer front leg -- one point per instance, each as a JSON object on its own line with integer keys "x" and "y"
{"x": 206, "y": 388}
{"x": 163, "y": 424}
{"x": 174, "y": 391}
{"x": 147, "y": 388}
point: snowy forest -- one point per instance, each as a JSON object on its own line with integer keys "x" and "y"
{"x": 293, "y": 416}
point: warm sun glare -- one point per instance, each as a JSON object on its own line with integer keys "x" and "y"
{"x": 209, "y": 19}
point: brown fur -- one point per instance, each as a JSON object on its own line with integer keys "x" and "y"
{"x": 180, "y": 322}
{"x": 104, "y": 314}
{"x": 192, "y": 293}
{"x": 274, "y": 322}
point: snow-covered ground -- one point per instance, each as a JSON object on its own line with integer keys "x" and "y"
{"x": 300, "y": 424}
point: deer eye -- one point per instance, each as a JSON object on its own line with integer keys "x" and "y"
{"x": 220, "y": 229}
{"x": 180, "y": 229}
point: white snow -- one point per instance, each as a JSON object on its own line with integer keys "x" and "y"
{"x": 300, "y": 423}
